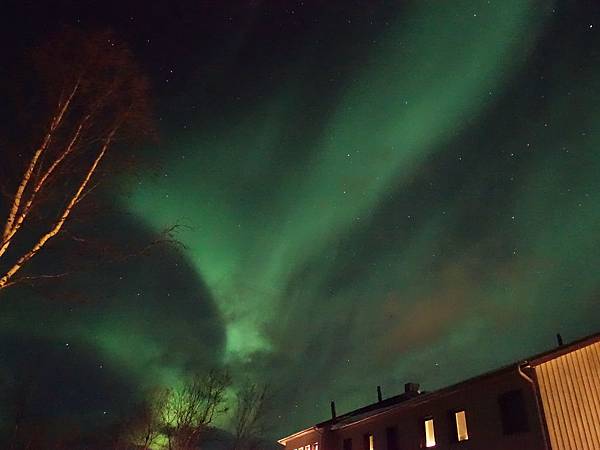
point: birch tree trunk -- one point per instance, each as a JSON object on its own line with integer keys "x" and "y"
{"x": 99, "y": 97}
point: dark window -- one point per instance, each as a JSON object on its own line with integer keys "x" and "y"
{"x": 348, "y": 444}
{"x": 391, "y": 434}
{"x": 513, "y": 412}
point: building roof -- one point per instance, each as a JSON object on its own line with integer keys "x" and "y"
{"x": 297, "y": 434}
{"x": 404, "y": 400}
{"x": 546, "y": 356}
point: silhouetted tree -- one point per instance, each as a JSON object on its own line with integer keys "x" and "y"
{"x": 96, "y": 96}
{"x": 189, "y": 411}
{"x": 145, "y": 428}
{"x": 249, "y": 417}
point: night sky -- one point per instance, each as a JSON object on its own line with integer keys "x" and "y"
{"x": 371, "y": 192}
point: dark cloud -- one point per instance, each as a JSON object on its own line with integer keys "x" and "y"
{"x": 91, "y": 346}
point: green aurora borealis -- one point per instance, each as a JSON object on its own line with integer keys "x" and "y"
{"x": 414, "y": 200}
{"x": 389, "y": 118}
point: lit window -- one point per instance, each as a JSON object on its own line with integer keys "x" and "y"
{"x": 461, "y": 426}
{"x": 429, "y": 433}
{"x": 316, "y": 446}
{"x": 368, "y": 442}
{"x": 307, "y": 447}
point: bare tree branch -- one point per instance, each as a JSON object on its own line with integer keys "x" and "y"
{"x": 7, "y": 239}
{"x": 61, "y": 221}
{"x": 101, "y": 97}
{"x": 31, "y": 278}
{"x": 249, "y": 417}
{"x": 54, "y": 124}
{"x": 190, "y": 410}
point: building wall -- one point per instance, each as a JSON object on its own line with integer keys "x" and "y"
{"x": 478, "y": 398}
{"x": 569, "y": 387}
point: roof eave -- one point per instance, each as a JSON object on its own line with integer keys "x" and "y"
{"x": 298, "y": 434}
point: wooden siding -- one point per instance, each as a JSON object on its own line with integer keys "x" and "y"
{"x": 570, "y": 392}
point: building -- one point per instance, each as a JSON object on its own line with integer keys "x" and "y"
{"x": 549, "y": 401}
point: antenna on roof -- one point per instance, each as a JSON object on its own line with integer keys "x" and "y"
{"x": 559, "y": 339}
{"x": 379, "y": 396}
{"x": 333, "y": 415}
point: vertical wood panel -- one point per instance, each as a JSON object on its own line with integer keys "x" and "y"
{"x": 593, "y": 369}
{"x": 551, "y": 414}
{"x": 581, "y": 409}
{"x": 570, "y": 392}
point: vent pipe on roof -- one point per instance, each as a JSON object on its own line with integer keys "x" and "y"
{"x": 333, "y": 415}
{"x": 379, "y": 396}
{"x": 559, "y": 339}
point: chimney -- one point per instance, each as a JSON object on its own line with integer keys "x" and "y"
{"x": 333, "y": 415}
{"x": 379, "y": 396}
{"x": 559, "y": 339}
{"x": 411, "y": 388}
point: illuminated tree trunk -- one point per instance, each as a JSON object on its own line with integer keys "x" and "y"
{"x": 10, "y": 227}
{"x": 13, "y": 226}
{"x": 98, "y": 93}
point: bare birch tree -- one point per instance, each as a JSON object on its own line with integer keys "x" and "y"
{"x": 189, "y": 411}
{"x": 96, "y": 97}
